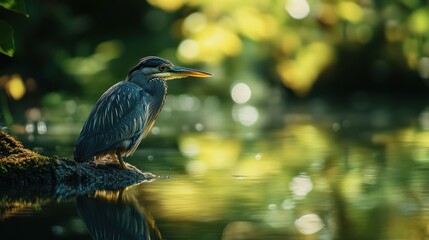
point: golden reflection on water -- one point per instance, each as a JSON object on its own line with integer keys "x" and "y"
{"x": 307, "y": 180}
{"x": 301, "y": 180}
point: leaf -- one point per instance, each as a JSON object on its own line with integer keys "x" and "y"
{"x": 15, "y": 5}
{"x": 7, "y": 45}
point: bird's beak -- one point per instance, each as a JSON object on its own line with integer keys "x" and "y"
{"x": 181, "y": 72}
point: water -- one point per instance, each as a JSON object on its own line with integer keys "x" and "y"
{"x": 308, "y": 179}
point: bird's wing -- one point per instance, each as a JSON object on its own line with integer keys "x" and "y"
{"x": 112, "y": 107}
{"x": 120, "y": 114}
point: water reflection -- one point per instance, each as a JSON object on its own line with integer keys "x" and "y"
{"x": 309, "y": 224}
{"x": 116, "y": 215}
{"x": 330, "y": 178}
{"x": 301, "y": 185}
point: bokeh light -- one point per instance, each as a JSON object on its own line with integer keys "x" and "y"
{"x": 195, "y": 22}
{"x": 15, "y": 87}
{"x": 300, "y": 73}
{"x": 309, "y": 224}
{"x": 241, "y": 93}
{"x": 245, "y": 114}
{"x": 424, "y": 67}
{"x": 189, "y": 49}
{"x": 350, "y": 11}
{"x": 297, "y": 9}
{"x": 301, "y": 185}
{"x": 168, "y": 5}
{"x": 418, "y": 22}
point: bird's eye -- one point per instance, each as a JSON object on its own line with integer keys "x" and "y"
{"x": 162, "y": 68}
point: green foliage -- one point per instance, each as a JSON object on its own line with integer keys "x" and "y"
{"x": 7, "y": 45}
{"x": 14, "y": 5}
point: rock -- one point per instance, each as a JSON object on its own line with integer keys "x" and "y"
{"x": 27, "y": 174}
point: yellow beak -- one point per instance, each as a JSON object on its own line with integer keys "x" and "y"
{"x": 181, "y": 72}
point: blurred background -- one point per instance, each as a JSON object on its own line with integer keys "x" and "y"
{"x": 265, "y": 55}
{"x": 315, "y": 126}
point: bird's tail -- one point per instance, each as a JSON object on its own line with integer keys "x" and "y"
{"x": 83, "y": 151}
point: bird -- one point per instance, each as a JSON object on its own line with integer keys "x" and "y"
{"x": 124, "y": 114}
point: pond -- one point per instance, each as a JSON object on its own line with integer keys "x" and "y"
{"x": 341, "y": 175}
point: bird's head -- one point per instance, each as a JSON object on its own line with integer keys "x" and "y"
{"x": 159, "y": 68}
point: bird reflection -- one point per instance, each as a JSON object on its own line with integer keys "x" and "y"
{"x": 115, "y": 215}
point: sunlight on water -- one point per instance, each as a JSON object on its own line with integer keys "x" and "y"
{"x": 301, "y": 185}
{"x": 245, "y": 114}
{"x": 316, "y": 179}
{"x": 309, "y": 224}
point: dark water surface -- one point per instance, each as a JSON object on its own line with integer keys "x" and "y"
{"x": 331, "y": 179}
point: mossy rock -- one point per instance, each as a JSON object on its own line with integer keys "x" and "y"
{"x": 24, "y": 172}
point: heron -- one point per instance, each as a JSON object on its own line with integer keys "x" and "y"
{"x": 126, "y": 112}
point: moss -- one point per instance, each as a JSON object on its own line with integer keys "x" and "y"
{"x": 16, "y": 162}
{"x": 22, "y": 170}
{"x": 9, "y": 146}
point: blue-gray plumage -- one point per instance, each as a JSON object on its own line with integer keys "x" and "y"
{"x": 126, "y": 112}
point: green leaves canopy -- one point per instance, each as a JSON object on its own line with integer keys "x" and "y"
{"x": 7, "y": 45}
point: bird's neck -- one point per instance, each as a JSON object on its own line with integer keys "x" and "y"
{"x": 155, "y": 87}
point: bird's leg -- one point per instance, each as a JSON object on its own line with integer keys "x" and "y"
{"x": 116, "y": 156}
{"x": 121, "y": 162}
{"x": 113, "y": 156}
